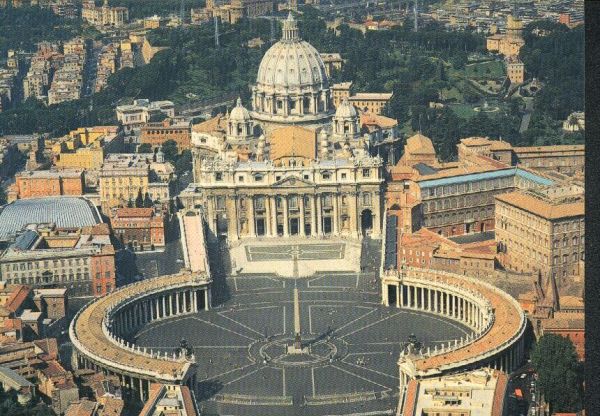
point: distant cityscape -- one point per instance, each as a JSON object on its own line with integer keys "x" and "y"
{"x": 296, "y": 248}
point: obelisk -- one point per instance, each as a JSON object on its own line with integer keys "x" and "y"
{"x": 297, "y": 339}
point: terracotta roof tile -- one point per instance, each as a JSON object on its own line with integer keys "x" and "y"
{"x": 541, "y": 208}
{"x": 293, "y": 141}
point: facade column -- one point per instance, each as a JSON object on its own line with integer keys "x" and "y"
{"x": 447, "y": 304}
{"x": 302, "y": 216}
{"x": 273, "y": 218}
{"x": 422, "y": 298}
{"x": 336, "y": 217}
{"x": 164, "y": 306}
{"x": 286, "y": 219}
{"x": 177, "y": 310}
{"x": 268, "y": 213}
{"x": 352, "y": 211}
{"x": 251, "y": 223}
{"x": 313, "y": 216}
{"x": 377, "y": 214}
{"x": 409, "y": 293}
{"x": 193, "y": 300}
{"x": 319, "y": 214}
{"x": 401, "y": 295}
{"x": 206, "y": 299}
{"x": 397, "y": 296}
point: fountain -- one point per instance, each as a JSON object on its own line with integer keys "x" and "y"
{"x": 485, "y": 108}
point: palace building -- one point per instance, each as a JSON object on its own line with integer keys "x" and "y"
{"x": 292, "y": 166}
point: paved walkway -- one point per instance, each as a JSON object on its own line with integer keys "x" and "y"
{"x": 276, "y": 256}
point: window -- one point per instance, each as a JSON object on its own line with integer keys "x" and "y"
{"x": 366, "y": 173}
{"x": 218, "y": 176}
{"x": 565, "y": 242}
{"x": 343, "y": 176}
{"x": 258, "y": 178}
{"x": 366, "y": 199}
{"x": 575, "y": 241}
{"x": 241, "y": 178}
{"x": 575, "y": 255}
{"x": 326, "y": 176}
{"x": 565, "y": 258}
{"x": 220, "y": 203}
{"x": 259, "y": 203}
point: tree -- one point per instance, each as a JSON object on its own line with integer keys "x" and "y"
{"x": 559, "y": 373}
{"x": 130, "y": 203}
{"x": 148, "y": 201}
{"x": 144, "y": 148}
{"x": 2, "y": 196}
{"x": 169, "y": 149}
{"x": 184, "y": 162}
{"x": 139, "y": 201}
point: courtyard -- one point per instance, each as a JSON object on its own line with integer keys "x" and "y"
{"x": 351, "y": 342}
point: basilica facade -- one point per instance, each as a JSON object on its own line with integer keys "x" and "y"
{"x": 293, "y": 165}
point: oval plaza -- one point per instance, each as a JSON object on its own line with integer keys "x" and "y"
{"x": 295, "y": 168}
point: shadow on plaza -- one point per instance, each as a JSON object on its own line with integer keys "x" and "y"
{"x": 207, "y": 389}
{"x": 220, "y": 267}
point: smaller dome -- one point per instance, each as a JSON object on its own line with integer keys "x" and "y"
{"x": 239, "y": 112}
{"x": 346, "y": 110}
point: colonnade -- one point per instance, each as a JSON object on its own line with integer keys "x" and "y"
{"x": 140, "y": 386}
{"x": 467, "y": 308}
{"x": 312, "y": 215}
{"x": 308, "y": 103}
{"x": 163, "y": 305}
{"x": 101, "y": 332}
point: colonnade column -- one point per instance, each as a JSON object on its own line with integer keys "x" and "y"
{"x": 398, "y": 296}
{"x": 251, "y": 224}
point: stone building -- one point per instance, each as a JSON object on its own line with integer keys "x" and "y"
{"x": 515, "y": 69}
{"x": 81, "y": 261}
{"x": 136, "y": 115}
{"x": 452, "y": 198}
{"x": 41, "y": 183}
{"x": 565, "y": 159}
{"x": 371, "y": 102}
{"x": 156, "y": 134}
{"x": 309, "y": 172}
{"x": 542, "y": 231}
{"x": 234, "y": 10}
{"x": 104, "y": 15}
{"x": 510, "y": 43}
{"x": 142, "y": 228}
{"x": 123, "y": 177}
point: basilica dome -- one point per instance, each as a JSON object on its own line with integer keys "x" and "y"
{"x": 292, "y": 65}
{"x": 291, "y": 85}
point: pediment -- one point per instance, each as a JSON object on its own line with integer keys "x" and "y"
{"x": 292, "y": 182}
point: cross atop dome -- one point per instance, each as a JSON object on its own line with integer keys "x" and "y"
{"x": 290, "y": 29}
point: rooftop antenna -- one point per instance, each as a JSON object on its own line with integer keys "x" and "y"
{"x": 216, "y": 31}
